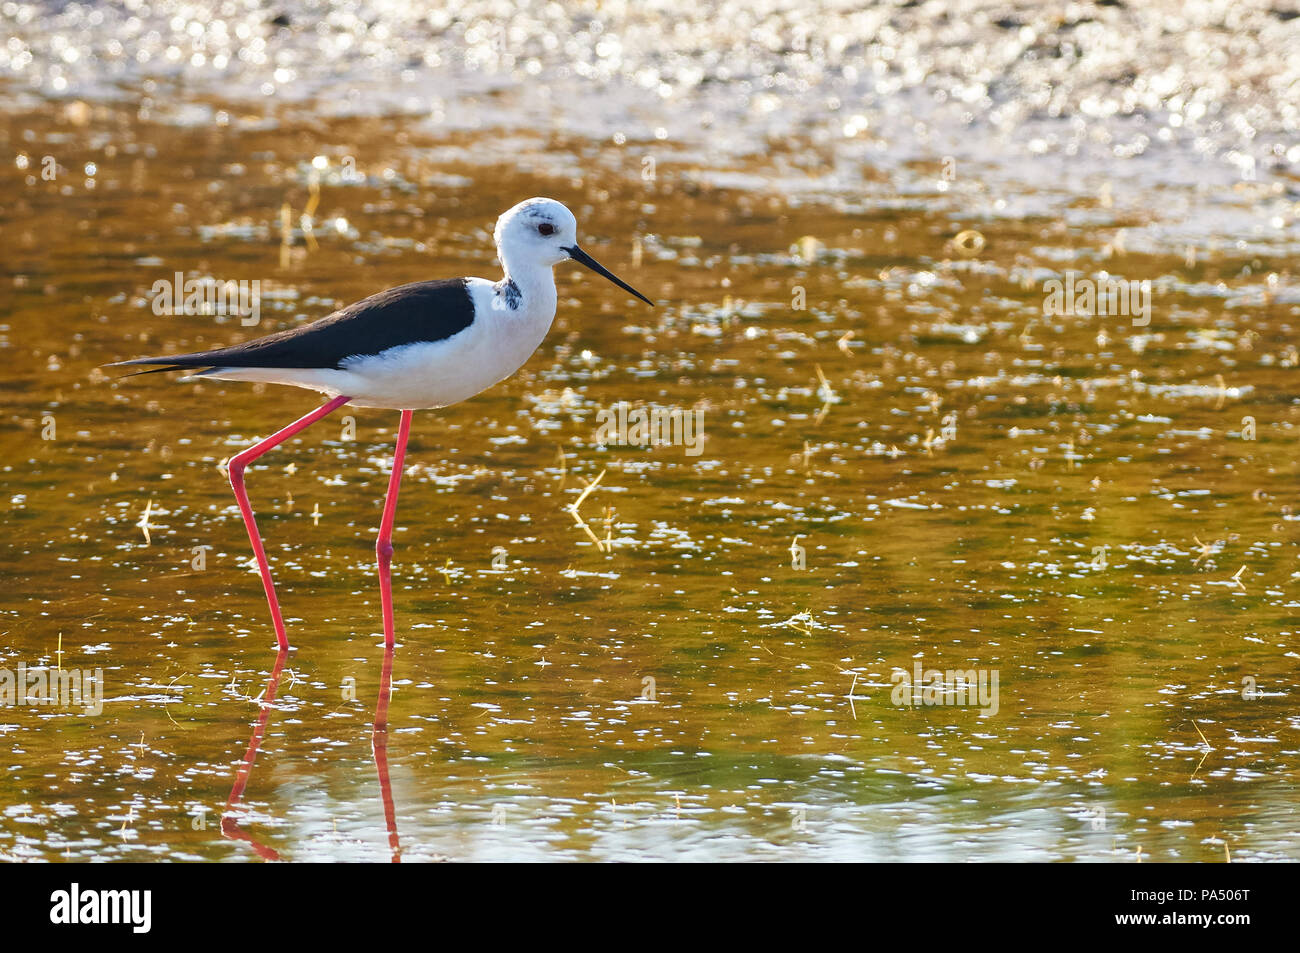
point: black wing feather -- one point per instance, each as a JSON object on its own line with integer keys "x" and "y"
{"x": 423, "y": 311}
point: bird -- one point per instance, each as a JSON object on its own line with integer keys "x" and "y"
{"x": 419, "y": 346}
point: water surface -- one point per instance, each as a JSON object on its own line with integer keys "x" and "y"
{"x": 904, "y": 460}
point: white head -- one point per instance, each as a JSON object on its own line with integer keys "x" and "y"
{"x": 542, "y": 232}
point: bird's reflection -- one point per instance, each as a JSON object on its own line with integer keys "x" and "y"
{"x": 229, "y": 826}
{"x": 379, "y": 746}
{"x": 378, "y": 743}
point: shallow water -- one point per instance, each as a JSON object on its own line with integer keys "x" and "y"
{"x": 1072, "y": 503}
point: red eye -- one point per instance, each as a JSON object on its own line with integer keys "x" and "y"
{"x": 546, "y": 228}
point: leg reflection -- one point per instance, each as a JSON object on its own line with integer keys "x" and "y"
{"x": 379, "y": 745}
{"x": 229, "y": 826}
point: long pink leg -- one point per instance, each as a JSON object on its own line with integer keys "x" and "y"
{"x": 236, "y": 469}
{"x": 384, "y": 544}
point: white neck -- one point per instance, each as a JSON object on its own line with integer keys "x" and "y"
{"x": 535, "y": 283}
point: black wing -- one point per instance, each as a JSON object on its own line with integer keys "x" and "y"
{"x": 423, "y": 311}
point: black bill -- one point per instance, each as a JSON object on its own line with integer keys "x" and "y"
{"x": 582, "y": 258}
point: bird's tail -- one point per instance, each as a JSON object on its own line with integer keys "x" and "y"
{"x": 152, "y": 370}
{"x": 173, "y": 362}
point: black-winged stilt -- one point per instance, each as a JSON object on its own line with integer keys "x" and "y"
{"x": 423, "y": 345}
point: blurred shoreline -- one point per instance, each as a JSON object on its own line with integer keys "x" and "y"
{"x": 1177, "y": 121}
